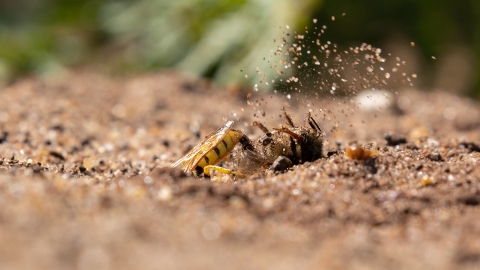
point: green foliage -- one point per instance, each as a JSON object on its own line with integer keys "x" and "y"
{"x": 44, "y": 36}
{"x": 205, "y": 37}
{"x": 212, "y": 38}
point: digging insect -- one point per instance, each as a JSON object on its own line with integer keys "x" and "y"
{"x": 277, "y": 149}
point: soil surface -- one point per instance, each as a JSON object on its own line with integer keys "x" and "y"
{"x": 86, "y": 183}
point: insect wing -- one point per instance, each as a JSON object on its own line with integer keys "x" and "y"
{"x": 249, "y": 162}
{"x": 191, "y": 159}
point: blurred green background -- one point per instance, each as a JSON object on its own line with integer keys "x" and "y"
{"x": 217, "y": 39}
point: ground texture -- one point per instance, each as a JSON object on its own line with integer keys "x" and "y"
{"x": 86, "y": 183}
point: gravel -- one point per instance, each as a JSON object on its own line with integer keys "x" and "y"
{"x": 86, "y": 183}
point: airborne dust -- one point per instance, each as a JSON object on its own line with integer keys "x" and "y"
{"x": 309, "y": 69}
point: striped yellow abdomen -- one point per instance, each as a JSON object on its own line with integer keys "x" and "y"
{"x": 221, "y": 150}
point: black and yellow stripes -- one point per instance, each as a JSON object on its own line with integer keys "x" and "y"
{"x": 298, "y": 144}
{"x": 220, "y": 151}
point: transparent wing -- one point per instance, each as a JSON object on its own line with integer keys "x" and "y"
{"x": 249, "y": 162}
{"x": 196, "y": 154}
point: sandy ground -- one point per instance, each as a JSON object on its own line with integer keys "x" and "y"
{"x": 86, "y": 183}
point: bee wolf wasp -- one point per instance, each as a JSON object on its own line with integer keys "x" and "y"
{"x": 294, "y": 144}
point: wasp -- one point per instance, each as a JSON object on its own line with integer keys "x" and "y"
{"x": 286, "y": 145}
{"x": 212, "y": 150}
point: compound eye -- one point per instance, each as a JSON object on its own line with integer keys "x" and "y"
{"x": 267, "y": 141}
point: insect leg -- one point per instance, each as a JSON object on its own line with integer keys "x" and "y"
{"x": 289, "y": 132}
{"x": 287, "y": 118}
{"x": 206, "y": 170}
{"x": 260, "y": 126}
{"x": 313, "y": 124}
